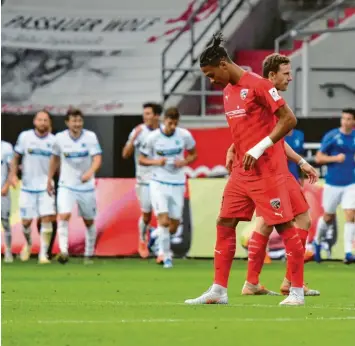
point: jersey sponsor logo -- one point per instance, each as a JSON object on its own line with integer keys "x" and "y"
{"x": 274, "y": 94}
{"x": 237, "y": 113}
{"x": 76, "y": 154}
{"x": 275, "y": 203}
{"x": 169, "y": 152}
{"x": 39, "y": 152}
{"x": 243, "y": 93}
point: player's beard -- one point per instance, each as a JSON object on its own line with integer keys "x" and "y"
{"x": 42, "y": 131}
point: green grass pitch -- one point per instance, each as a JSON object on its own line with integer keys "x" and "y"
{"x": 131, "y": 302}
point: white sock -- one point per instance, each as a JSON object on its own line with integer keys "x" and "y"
{"x": 299, "y": 291}
{"x": 8, "y": 238}
{"x": 142, "y": 227}
{"x": 46, "y": 233}
{"x": 219, "y": 289}
{"x": 90, "y": 240}
{"x": 349, "y": 236}
{"x": 63, "y": 236}
{"x": 164, "y": 242}
{"x": 321, "y": 230}
{"x": 27, "y": 233}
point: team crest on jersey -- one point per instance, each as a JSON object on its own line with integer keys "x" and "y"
{"x": 243, "y": 94}
{"x": 275, "y": 203}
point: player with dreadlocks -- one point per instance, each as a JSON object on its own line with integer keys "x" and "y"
{"x": 258, "y": 178}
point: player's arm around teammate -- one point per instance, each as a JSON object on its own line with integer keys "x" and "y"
{"x": 251, "y": 104}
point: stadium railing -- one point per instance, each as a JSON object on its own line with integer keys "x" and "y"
{"x": 301, "y": 31}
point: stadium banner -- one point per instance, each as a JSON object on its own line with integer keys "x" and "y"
{"x": 55, "y": 57}
{"x": 116, "y": 223}
{"x": 204, "y": 217}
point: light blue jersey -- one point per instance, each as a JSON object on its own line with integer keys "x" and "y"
{"x": 333, "y": 143}
{"x": 7, "y": 154}
{"x": 159, "y": 145}
{"x": 36, "y": 152}
{"x": 76, "y": 158}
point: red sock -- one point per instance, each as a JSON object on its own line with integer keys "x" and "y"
{"x": 294, "y": 254}
{"x": 224, "y": 254}
{"x": 256, "y": 255}
{"x": 303, "y": 234}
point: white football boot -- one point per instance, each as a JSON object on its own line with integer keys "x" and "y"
{"x": 214, "y": 295}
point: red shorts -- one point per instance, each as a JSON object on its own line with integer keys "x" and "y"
{"x": 269, "y": 196}
{"x": 298, "y": 201}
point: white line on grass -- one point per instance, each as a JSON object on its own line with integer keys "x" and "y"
{"x": 161, "y": 320}
{"x": 123, "y": 303}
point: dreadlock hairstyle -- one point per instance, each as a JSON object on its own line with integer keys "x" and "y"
{"x": 214, "y": 53}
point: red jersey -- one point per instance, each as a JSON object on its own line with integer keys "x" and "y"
{"x": 250, "y": 106}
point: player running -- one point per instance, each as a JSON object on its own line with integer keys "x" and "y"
{"x": 35, "y": 147}
{"x": 151, "y": 120}
{"x": 337, "y": 152}
{"x": 164, "y": 150}
{"x": 258, "y": 176}
{"x": 7, "y": 153}
{"x": 277, "y": 68}
{"x": 77, "y": 153}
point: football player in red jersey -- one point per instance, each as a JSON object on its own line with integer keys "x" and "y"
{"x": 258, "y": 178}
{"x": 277, "y": 68}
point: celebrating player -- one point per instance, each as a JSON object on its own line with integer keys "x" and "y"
{"x": 151, "y": 118}
{"x": 7, "y": 153}
{"x": 277, "y": 68}
{"x": 258, "y": 176}
{"x": 77, "y": 153}
{"x": 337, "y": 152}
{"x": 35, "y": 147}
{"x": 54, "y": 222}
{"x": 164, "y": 151}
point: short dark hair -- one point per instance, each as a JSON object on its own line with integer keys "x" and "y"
{"x": 172, "y": 113}
{"x": 349, "y": 111}
{"x": 272, "y": 63}
{"x": 44, "y": 111}
{"x": 214, "y": 53}
{"x": 74, "y": 112}
{"x": 156, "y": 107}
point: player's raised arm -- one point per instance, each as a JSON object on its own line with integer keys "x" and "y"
{"x": 128, "y": 149}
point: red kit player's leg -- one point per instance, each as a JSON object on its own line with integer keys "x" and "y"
{"x": 273, "y": 204}
{"x": 236, "y": 206}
